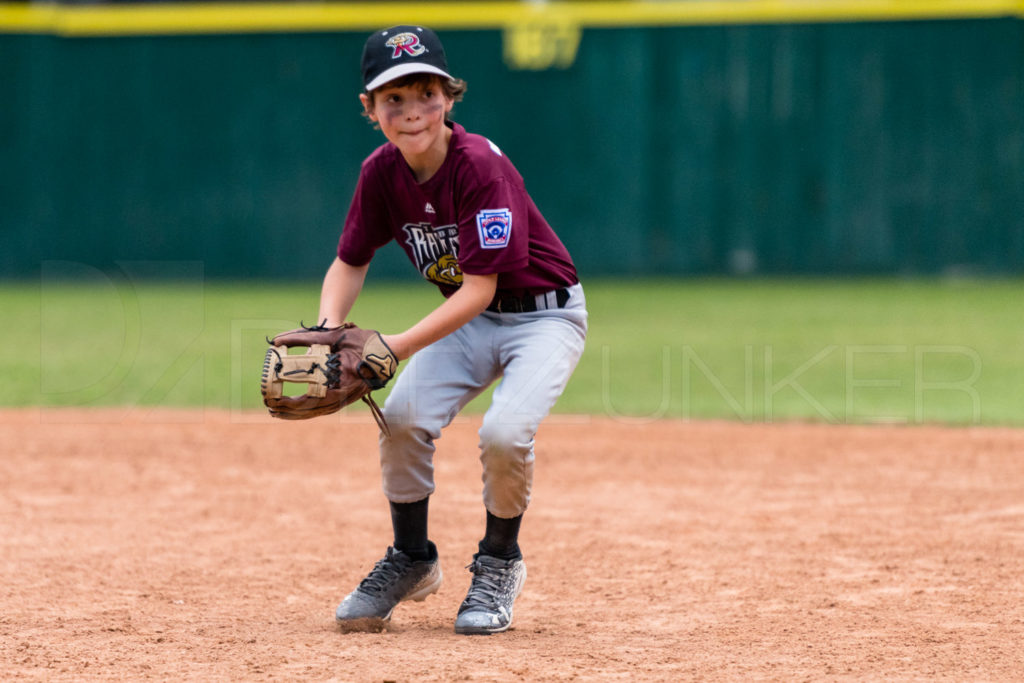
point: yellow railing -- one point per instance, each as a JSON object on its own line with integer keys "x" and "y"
{"x": 162, "y": 19}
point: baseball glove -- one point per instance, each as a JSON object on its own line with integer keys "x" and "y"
{"x": 341, "y": 366}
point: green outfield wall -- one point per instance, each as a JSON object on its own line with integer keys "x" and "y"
{"x": 673, "y": 143}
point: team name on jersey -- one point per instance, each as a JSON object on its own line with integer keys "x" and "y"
{"x": 435, "y": 251}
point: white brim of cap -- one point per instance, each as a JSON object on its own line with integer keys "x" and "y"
{"x": 404, "y": 70}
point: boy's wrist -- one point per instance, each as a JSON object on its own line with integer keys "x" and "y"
{"x": 397, "y": 344}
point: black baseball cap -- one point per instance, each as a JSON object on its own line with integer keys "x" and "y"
{"x": 399, "y": 51}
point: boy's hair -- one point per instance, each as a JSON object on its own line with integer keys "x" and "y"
{"x": 454, "y": 88}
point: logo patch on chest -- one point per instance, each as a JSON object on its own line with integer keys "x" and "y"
{"x": 495, "y": 227}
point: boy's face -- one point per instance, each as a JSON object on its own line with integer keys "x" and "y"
{"x": 411, "y": 116}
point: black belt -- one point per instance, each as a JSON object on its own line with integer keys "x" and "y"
{"x": 528, "y": 303}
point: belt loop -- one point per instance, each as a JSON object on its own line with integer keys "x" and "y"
{"x": 562, "y": 297}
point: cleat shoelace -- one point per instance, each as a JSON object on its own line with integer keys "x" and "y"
{"x": 486, "y": 586}
{"x": 383, "y": 575}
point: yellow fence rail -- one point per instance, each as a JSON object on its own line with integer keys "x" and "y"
{"x": 219, "y": 18}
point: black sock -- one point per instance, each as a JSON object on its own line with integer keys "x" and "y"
{"x": 409, "y": 522}
{"x": 501, "y": 539}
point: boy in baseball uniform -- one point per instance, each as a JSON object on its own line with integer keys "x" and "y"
{"x": 513, "y": 311}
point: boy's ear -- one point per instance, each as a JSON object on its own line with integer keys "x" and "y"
{"x": 367, "y": 102}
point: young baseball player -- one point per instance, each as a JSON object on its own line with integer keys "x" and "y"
{"x": 513, "y": 310}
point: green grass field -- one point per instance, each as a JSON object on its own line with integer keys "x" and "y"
{"x": 845, "y": 351}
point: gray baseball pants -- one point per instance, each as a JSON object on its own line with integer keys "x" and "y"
{"x": 533, "y": 353}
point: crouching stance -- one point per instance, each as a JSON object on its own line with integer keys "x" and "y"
{"x": 514, "y": 313}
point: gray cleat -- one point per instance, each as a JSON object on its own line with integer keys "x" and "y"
{"x": 492, "y": 594}
{"x": 394, "y": 579}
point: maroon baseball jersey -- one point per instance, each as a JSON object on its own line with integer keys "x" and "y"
{"x": 473, "y": 216}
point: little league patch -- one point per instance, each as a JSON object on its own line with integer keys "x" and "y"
{"x": 495, "y": 228}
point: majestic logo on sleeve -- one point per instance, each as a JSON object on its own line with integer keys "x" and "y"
{"x": 409, "y": 43}
{"x": 435, "y": 252}
{"x": 495, "y": 228}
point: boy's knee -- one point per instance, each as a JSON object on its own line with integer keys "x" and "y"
{"x": 499, "y": 437}
{"x": 397, "y": 413}
{"x": 405, "y": 425}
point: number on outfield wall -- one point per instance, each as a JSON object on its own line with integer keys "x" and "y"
{"x": 537, "y": 45}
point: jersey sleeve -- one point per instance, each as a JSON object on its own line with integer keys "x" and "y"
{"x": 494, "y": 228}
{"x": 367, "y": 225}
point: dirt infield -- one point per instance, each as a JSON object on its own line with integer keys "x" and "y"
{"x": 215, "y": 546}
